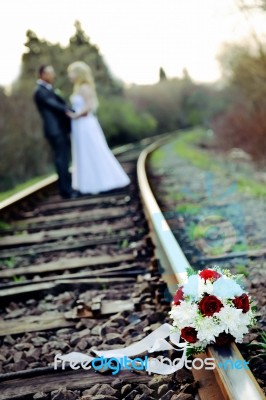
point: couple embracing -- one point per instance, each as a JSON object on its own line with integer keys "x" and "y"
{"x": 95, "y": 169}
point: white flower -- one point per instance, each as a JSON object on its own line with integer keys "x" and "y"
{"x": 236, "y": 322}
{"x": 208, "y": 287}
{"x": 226, "y": 288}
{"x": 194, "y": 287}
{"x": 239, "y": 331}
{"x": 247, "y": 317}
{"x": 229, "y": 317}
{"x": 184, "y": 314}
{"x": 208, "y": 328}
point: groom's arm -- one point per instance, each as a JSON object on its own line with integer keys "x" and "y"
{"x": 51, "y": 102}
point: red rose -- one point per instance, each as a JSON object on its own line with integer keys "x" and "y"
{"x": 178, "y": 296}
{"x": 223, "y": 338}
{"x": 189, "y": 334}
{"x": 210, "y": 305}
{"x": 209, "y": 274}
{"x": 242, "y": 302}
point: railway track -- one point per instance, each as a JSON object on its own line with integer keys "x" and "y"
{"x": 81, "y": 273}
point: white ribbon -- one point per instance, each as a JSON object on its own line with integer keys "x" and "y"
{"x": 155, "y": 341}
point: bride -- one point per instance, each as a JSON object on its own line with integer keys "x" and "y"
{"x": 95, "y": 168}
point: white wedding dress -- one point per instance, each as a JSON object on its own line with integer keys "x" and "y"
{"x": 95, "y": 168}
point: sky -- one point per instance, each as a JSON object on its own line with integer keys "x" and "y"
{"x": 135, "y": 37}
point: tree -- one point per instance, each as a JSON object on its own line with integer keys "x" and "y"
{"x": 162, "y": 75}
{"x": 256, "y": 4}
{"x": 247, "y": 9}
{"x": 243, "y": 124}
{"x": 38, "y": 52}
{"x": 186, "y": 77}
{"x": 81, "y": 49}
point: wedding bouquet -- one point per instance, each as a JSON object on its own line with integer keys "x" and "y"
{"x": 211, "y": 308}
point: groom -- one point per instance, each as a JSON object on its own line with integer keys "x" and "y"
{"x": 56, "y": 126}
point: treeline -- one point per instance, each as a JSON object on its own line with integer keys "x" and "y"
{"x": 179, "y": 103}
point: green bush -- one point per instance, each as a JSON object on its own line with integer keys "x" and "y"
{"x": 121, "y": 122}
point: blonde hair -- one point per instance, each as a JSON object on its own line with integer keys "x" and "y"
{"x": 83, "y": 75}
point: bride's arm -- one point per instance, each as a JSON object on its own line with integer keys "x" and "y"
{"x": 87, "y": 94}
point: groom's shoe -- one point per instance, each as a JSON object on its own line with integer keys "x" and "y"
{"x": 75, "y": 195}
{"x": 72, "y": 195}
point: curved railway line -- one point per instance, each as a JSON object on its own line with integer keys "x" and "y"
{"x": 93, "y": 272}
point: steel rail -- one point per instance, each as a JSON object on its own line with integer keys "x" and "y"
{"x": 235, "y": 384}
{"x": 172, "y": 258}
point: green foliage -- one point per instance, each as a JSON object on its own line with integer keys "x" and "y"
{"x": 4, "y": 225}
{"x": 191, "y": 351}
{"x": 157, "y": 156}
{"x": 200, "y": 231}
{"x": 251, "y": 187}
{"x": 242, "y": 269}
{"x": 190, "y": 271}
{"x": 214, "y": 250}
{"x": 188, "y": 208}
{"x": 239, "y": 247}
{"x": 10, "y": 262}
{"x": 121, "y": 122}
{"x": 18, "y": 279}
{"x": 184, "y": 149}
{"x": 124, "y": 244}
{"x": 176, "y": 196}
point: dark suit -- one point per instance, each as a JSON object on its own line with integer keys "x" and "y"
{"x": 56, "y": 125}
